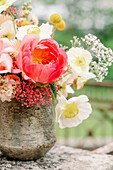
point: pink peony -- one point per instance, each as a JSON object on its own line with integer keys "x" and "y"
{"x": 41, "y": 61}
{"x": 5, "y": 59}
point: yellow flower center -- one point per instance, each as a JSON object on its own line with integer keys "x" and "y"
{"x": 8, "y": 35}
{"x": 3, "y": 2}
{"x": 33, "y": 30}
{"x": 23, "y": 23}
{"x": 80, "y": 61}
{"x": 70, "y": 110}
{"x": 41, "y": 56}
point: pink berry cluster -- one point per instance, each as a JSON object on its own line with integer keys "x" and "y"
{"x": 29, "y": 94}
{"x": 12, "y": 10}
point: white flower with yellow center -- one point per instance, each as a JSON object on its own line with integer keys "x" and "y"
{"x": 79, "y": 82}
{"x": 4, "y": 4}
{"x": 72, "y": 112}
{"x": 44, "y": 31}
{"x": 79, "y": 60}
{"x": 8, "y": 29}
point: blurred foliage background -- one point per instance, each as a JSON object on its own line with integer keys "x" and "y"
{"x": 83, "y": 17}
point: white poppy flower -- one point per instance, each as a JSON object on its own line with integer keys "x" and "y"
{"x": 72, "y": 112}
{"x": 44, "y": 31}
{"x": 4, "y": 4}
{"x": 79, "y": 60}
{"x": 79, "y": 82}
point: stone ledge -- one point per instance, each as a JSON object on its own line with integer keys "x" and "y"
{"x": 62, "y": 158}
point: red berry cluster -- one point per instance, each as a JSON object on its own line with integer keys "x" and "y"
{"x": 29, "y": 94}
{"x": 12, "y": 10}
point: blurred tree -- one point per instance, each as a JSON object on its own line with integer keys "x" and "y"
{"x": 48, "y": 1}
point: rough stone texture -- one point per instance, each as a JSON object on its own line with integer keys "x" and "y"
{"x": 62, "y": 158}
{"x": 26, "y": 133}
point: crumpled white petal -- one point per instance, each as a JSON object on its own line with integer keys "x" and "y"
{"x": 45, "y": 31}
{"x": 80, "y": 81}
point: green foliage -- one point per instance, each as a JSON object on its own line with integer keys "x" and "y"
{"x": 48, "y": 1}
{"x": 53, "y": 90}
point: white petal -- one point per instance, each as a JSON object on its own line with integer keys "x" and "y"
{"x": 8, "y": 25}
{"x": 84, "y": 110}
{"x": 87, "y": 56}
{"x": 79, "y": 99}
{"x": 22, "y": 31}
{"x": 46, "y": 31}
{"x": 69, "y": 122}
{"x": 58, "y": 109}
{"x": 69, "y": 89}
{"x": 76, "y": 70}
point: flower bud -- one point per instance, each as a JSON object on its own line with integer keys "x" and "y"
{"x": 61, "y": 26}
{"x": 55, "y": 18}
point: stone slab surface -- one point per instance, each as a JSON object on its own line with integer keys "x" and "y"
{"x": 62, "y": 158}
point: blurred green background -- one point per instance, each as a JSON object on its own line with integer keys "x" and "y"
{"x": 83, "y": 17}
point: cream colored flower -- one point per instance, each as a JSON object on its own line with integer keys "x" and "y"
{"x": 44, "y": 31}
{"x": 8, "y": 28}
{"x": 72, "y": 112}
{"x": 4, "y": 4}
{"x": 4, "y": 18}
{"x": 7, "y": 89}
{"x": 79, "y": 60}
{"x": 79, "y": 82}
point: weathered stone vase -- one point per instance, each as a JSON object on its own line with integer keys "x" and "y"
{"x": 26, "y": 133}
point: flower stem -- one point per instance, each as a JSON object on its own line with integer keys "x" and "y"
{"x": 54, "y": 29}
{"x": 12, "y": 19}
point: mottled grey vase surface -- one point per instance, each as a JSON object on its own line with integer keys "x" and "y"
{"x": 26, "y": 133}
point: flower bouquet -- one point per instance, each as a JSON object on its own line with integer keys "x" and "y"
{"x": 35, "y": 73}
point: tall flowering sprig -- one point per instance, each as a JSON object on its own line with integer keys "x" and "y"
{"x": 102, "y": 56}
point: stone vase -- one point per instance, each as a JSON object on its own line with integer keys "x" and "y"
{"x": 26, "y": 133}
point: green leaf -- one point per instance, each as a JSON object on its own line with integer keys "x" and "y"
{"x": 53, "y": 90}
